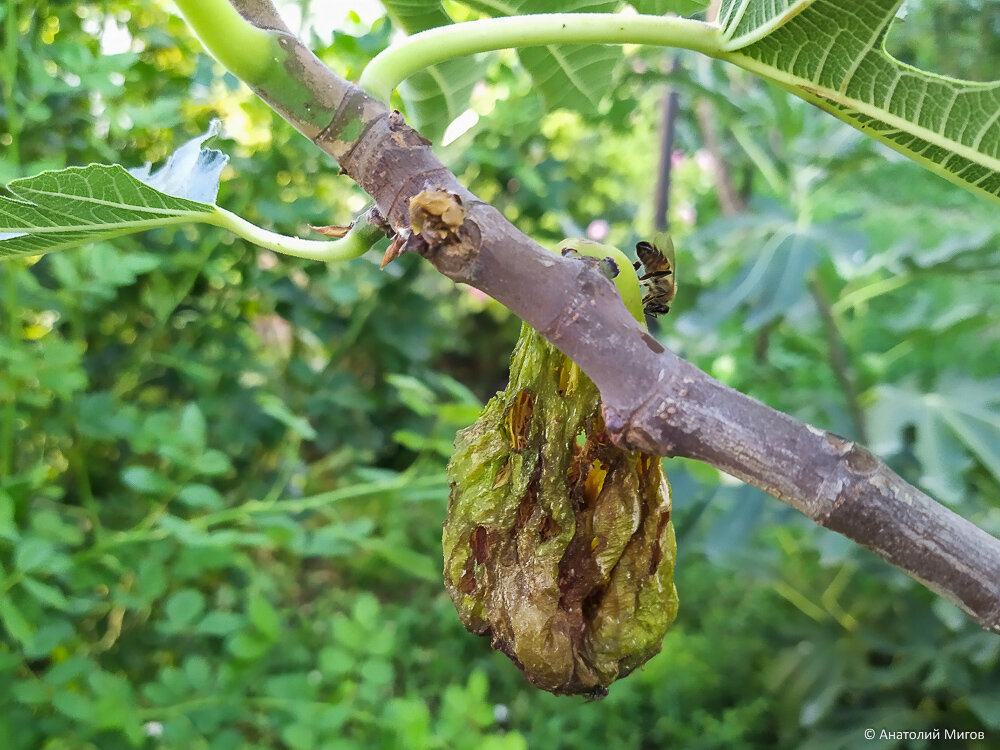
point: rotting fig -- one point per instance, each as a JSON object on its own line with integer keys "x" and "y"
{"x": 558, "y": 544}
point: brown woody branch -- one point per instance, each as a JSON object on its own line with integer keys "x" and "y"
{"x": 653, "y": 400}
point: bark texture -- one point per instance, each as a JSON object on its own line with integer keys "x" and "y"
{"x": 653, "y": 400}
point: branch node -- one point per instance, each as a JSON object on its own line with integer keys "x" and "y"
{"x": 441, "y": 232}
{"x": 860, "y": 461}
{"x": 857, "y": 459}
{"x": 403, "y": 134}
{"x": 396, "y": 248}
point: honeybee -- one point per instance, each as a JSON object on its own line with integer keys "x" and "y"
{"x": 659, "y": 279}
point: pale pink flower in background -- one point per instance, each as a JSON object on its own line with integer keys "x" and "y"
{"x": 704, "y": 159}
{"x": 687, "y": 214}
{"x": 677, "y": 158}
{"x": 598, "y": 229}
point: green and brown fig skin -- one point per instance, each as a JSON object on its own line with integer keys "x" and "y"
{"x": 558, "y": 544}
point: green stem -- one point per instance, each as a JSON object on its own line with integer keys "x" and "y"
{"x": 185, "y": 708}
{"x": 404, "y": 58}
{"x": 245, "y": 511}
{"x": 362, "y": 235}
{"x": 870, "y": 291}
{"x": 246, "y": 51}
{"x": 839, "y": 359}
{"x": 314, "y": 502}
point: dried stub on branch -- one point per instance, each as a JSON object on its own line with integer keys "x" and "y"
{"x": 558, "y": 544}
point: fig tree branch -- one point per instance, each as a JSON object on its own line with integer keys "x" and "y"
{"x": 653, "y": 400}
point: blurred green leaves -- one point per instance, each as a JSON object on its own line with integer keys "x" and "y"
{"x": 197, "y": 478}
{"x": 958, "y": 422}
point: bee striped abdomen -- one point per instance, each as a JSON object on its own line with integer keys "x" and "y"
{"x": 658, "y": 281}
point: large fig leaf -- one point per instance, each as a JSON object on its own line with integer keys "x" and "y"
{"x": 828, "y": 52}
{"x": 832, "y": 54}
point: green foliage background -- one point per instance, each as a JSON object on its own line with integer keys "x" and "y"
{"x": 221, "y": 472}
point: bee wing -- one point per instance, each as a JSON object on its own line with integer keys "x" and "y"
{"x": 665, "y": 245}
{"x": 658, "y": 255}
{"x": 663, "y": 242}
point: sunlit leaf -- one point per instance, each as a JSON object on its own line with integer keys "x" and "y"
{"x": 438, "y": 94}
{"x": 75, "y": 206}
